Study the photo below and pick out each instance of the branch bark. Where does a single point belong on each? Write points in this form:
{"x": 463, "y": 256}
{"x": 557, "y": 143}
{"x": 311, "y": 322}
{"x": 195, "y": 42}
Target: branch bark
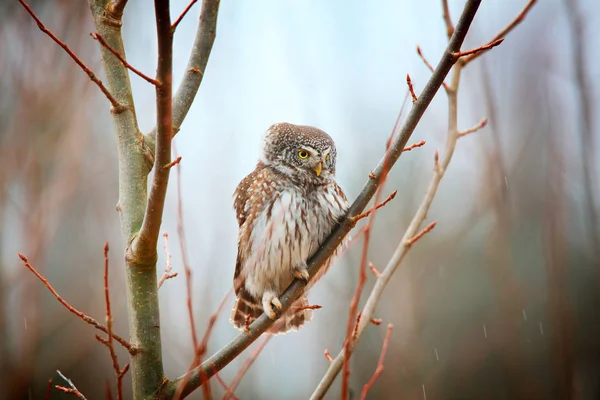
{"x": 222, "y": 357}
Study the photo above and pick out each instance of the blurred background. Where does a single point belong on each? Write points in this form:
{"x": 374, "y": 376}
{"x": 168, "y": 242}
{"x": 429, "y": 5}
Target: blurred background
{"x": 500, "y": 301}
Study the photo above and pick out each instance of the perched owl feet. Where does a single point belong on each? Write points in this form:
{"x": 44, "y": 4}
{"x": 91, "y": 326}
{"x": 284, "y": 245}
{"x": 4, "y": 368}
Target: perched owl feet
{"x": 301, "y": 271}
{"x": 271, "y": 304}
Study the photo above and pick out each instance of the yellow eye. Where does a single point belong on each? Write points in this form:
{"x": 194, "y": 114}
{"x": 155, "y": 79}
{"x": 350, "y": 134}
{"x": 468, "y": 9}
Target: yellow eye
{"x": 303, "y": 154}
{"x": 327, "y": 157}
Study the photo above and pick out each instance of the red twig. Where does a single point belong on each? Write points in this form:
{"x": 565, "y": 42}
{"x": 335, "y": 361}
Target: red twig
{"x": 363, "y": 263}
{"x": 200, "y": 351}
{"x": 419, "y": 235}
{"x": 311, "y": 307}
{"x": 48, "y": 389}
{"x": 328, "y": 355}
{"x": 477, "y": 50}
{"x": 414, "y": 146}
{"x": 72, "y": 389}
{"x": 376, "y": 207}
{"x": 118, "y": 107}
{"x": 185, "y": 11}
{"x": 447, "y": 19}
{"x": 72, "y": 309}
{"x": 224, "y": 385}
{"x": 411, "y": 89}
{"x": 374, "y": 270}
{"x": 167, "y": 273}
{"x": 173, "y": 163}
{"x": 247, "y": 364}
{"x": 109, "y": 321}
{"x": 379, "y": 368}
{"x": 516, "y": 21}
{"x": 477, "y": 127}
{"x": 376, "y": 321}
{"x": 446, "y": 87}
{"x": 139, "y": 73}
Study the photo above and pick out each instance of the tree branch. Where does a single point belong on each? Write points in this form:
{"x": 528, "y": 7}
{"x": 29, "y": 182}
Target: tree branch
{"x": 220, "y": 359}
{"x": 205, "y": 37}
{"x": 116, "y": 106}
{"x": 123, "y": 61}
{"x": 185, "y": 11}
{"x": 412, "y": 233}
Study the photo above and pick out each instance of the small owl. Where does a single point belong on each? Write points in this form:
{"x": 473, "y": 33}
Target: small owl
{"x": 285, "y": 209}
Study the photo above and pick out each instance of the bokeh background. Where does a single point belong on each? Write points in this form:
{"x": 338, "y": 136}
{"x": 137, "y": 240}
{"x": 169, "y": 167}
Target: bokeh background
{"x": 500, "y": 301}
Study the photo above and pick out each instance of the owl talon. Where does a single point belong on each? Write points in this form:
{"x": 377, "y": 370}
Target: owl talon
{"x": 271, "y": 304}
{"x": 301, "y": 272}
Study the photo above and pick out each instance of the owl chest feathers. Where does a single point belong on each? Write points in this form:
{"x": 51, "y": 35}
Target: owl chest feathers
{"x": 284, "y": 231}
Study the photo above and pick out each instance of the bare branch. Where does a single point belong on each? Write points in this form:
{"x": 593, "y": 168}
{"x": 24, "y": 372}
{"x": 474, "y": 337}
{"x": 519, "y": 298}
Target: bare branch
{"x": 376, "y": 207}
{"x": 479, "y": 49}
{"x": 328, "y": 355}
{"x": 379, "y": 368}
{"x": 518, "y": 19}
{"x": 109, "y": 342}
{"x": 429, "y": 65}
{"x": 185, "y": 11}
{"x": 238, "y": 378}
{"x": 167, "y": 273}
{"x": 422, "y": 233}
{"x": 447, "y": 19}
{"x": 72, "y": 309}
{"x": 72, "y": 389}
{"x": 116, "y": 106}
{"x": 474, "y": 129}
{"x": 412, "y": 233}
{"x": 411, "y": 89}
{"x": 101, "y": 40}
{"x": 414, "y": 146}
{"x": 173, "y": 163}
{"x": 244, "y": 339}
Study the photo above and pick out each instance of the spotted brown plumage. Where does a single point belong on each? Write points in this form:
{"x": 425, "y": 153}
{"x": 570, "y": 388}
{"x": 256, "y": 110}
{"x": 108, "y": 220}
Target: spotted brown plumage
{"x": 285, "y": 209}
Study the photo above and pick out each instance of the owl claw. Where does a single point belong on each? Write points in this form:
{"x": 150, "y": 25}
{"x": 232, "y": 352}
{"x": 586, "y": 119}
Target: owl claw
{"x": 270, "y": 304}
{"x": 301, "y": 272}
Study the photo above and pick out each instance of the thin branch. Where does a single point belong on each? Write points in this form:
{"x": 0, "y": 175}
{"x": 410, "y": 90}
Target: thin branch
{"x": 379, "y": 368}
{"x": 238, "y": 378}
{"x": 173, "y": 163}
{"x": 474, "y": 129}
{"x": 327, "y": 355}
{"x": 226, "y": 387}
{"x": 72, "y": 389}
{"x": 376, "y": 321}
{"x": 518, "y": 19}
{"x": 100, "y": 39}
{"x": 194, "y": 72}
{"x": 420, "y": 53}
{"x": 72, "y": 309}
{"x": 447, "y": 19}
{"x": 412, "y": 233}
{"x": 222, "y": 357}
{"x": 200, "y": 351}
{"x": 414, "y": 146}
{"x": 117, "y": 107}
{"x": 109, "y": 320}
{"x": 145, "y": 242}
{"x": 411, "y": 89}
{"x": 422, "y": 233}
{"x": 376, "y": 207}
{"x": 167, "y": 272}
{"x": 374, "y": 270}
{"x": 185, "y": 11}
{"x": 479, "y": 49}
{"x": 49, "y": 389}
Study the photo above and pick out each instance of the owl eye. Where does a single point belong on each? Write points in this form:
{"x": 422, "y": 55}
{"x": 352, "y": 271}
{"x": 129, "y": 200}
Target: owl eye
{"x": 303, "y": 154}
{"x": 327, "y": 157}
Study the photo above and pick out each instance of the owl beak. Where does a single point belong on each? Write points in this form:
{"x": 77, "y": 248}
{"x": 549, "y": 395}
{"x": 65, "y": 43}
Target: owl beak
{"x": 318, "y": 168}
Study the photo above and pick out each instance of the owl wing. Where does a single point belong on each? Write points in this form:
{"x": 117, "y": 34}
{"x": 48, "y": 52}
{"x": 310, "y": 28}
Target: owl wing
{"x": 249, "y": 201}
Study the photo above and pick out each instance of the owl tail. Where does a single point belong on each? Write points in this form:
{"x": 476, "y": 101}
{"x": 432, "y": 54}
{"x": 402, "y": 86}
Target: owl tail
{"x": 246, "y": 309}
{"x": 296, "y": 316}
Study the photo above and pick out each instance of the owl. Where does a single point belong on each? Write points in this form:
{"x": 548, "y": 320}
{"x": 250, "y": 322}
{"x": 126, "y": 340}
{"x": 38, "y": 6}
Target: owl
{"x": 285, "y": 209}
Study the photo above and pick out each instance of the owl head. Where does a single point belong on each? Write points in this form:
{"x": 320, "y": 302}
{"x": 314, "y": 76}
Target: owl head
{"x": 299, "y": 150}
